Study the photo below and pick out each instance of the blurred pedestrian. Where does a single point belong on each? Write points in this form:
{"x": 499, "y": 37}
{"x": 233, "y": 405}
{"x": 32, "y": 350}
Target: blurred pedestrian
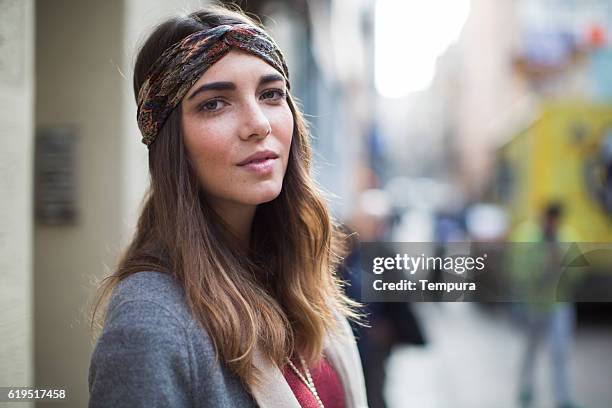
{"x": 391, "y": 323}
{"x": 545, "y": 320}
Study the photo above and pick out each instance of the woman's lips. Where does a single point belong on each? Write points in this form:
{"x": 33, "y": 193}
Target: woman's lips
{"x": 260, "y": 166}
{"x": 264, "y": 154}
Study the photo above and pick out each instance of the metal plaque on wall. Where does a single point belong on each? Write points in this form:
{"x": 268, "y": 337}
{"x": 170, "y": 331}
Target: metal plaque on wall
{"x": 56, "y": 176}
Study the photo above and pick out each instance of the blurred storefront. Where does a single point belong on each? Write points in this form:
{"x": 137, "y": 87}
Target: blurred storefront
{"x": 530, "y": 73}
{"x": 557, "y": 148}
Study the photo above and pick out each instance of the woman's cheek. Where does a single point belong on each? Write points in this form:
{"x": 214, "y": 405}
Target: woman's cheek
{"x": 214, "y": 143}
{"x": 285, "y": 125}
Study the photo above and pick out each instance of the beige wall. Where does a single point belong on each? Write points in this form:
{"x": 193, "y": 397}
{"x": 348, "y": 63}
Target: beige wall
{"x": 16, "y": 134}
{"x": 78, "y": 49}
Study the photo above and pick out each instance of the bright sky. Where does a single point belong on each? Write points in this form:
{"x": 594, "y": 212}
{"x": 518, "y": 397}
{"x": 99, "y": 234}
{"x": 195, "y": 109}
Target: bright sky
{"x": 409, "y": 36}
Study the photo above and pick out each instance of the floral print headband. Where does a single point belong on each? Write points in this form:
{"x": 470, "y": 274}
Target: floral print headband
{"x": 181, "y": 65}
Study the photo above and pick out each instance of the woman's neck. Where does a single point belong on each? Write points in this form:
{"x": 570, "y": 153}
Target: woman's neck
{"x": 238, "y": 218}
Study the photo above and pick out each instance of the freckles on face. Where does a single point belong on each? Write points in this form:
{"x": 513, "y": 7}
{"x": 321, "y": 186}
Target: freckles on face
{"x": 237, "y": 130}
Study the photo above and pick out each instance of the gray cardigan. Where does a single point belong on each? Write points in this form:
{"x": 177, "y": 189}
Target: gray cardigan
{"x": 152, "y": 353}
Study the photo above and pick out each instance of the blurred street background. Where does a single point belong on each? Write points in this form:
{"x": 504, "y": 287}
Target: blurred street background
{"x": 432, "y": 121}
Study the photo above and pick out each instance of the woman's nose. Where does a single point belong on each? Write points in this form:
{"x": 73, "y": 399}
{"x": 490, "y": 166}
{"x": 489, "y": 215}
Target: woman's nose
{"x": 256, "y": 123}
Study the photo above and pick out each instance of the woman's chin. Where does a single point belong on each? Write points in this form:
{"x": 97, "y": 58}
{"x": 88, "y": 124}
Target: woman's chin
{"x": 264, "y": 195}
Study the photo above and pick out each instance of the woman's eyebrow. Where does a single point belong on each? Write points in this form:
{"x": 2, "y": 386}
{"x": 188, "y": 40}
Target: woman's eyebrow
{"x": 270, "y": 78}
{"x": 230, "y": 86}
{"x": 213, "y": 86}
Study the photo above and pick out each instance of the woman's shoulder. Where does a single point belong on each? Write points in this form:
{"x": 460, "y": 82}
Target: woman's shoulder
{"x": 150, "y": 352}
{"x": 153, "y": 305}
{"x": 150, "y": 302}
{"x": 149, "y": 292}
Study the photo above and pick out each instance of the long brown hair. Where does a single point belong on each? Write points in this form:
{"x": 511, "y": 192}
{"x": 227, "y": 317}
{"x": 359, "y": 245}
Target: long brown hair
{"x": 282, "y": 294}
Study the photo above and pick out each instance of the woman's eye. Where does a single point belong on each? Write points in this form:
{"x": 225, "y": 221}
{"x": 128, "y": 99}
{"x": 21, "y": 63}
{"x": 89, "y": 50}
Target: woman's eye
{"x": 274, "y": 94}
{"x": 211, "y": 106}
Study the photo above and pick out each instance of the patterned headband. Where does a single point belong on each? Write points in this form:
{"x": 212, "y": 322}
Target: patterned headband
{"x": 181, "y": 65}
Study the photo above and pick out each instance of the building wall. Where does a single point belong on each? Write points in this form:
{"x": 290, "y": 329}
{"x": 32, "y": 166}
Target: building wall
{"x": 489, "y": 91}
{"x": 16, "y": 134}
{"x": 78, "y": 84}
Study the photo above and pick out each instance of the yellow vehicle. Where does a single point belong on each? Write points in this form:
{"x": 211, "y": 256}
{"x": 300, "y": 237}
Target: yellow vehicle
{"x": 564, "y": 156}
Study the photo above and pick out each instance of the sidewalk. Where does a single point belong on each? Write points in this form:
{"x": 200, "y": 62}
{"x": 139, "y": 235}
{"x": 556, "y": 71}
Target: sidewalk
{"x": 473, "y": 361}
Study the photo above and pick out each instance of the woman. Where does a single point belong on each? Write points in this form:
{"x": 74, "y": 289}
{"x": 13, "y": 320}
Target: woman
{"x": 227, "y": 295}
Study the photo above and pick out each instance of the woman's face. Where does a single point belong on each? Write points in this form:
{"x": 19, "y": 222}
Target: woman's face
{"x": 237, "y": 130}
